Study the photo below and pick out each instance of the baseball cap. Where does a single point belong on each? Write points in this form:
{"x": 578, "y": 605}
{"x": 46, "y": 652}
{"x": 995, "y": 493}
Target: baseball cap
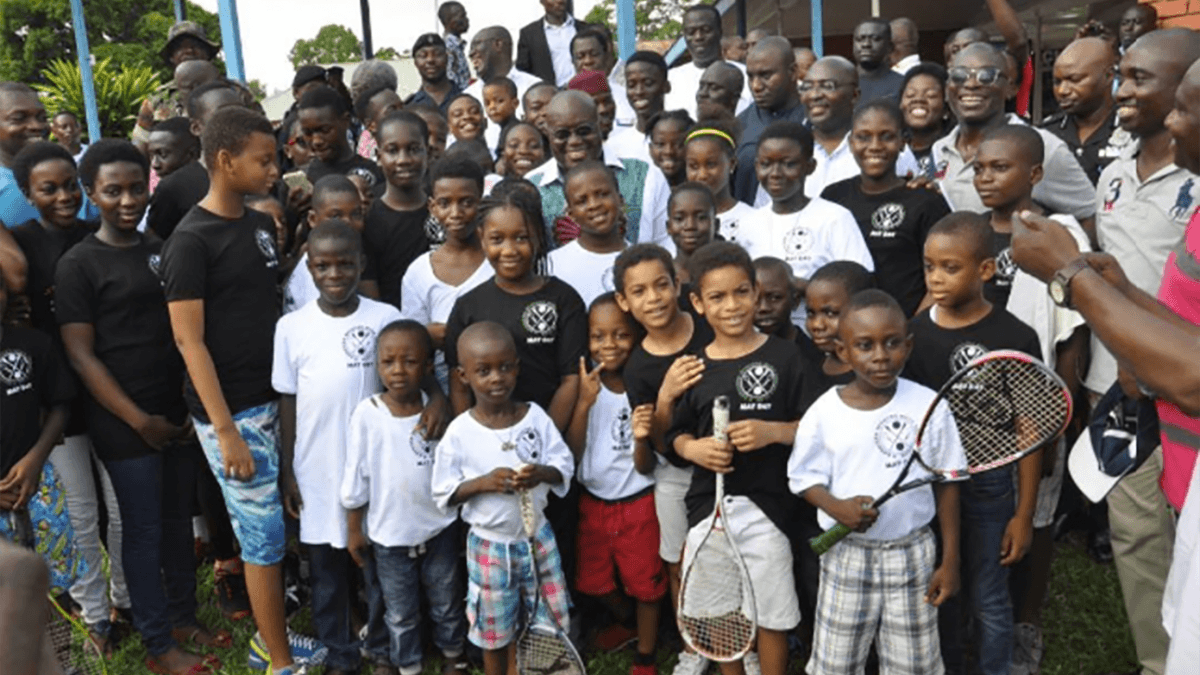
{"x": 1122, "y": 434}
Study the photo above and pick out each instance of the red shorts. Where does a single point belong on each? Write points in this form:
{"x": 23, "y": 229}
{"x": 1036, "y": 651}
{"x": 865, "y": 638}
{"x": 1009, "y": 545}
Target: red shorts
{"x": 619, "y": 537}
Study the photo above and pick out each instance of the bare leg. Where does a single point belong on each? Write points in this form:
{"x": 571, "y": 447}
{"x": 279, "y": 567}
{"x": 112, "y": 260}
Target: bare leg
{"x": 496, "y": 662}
{"x": 265, "y": 586}
{"x": 772, "y": 651}
{"x": 647, "y": 626}
{"x": 1041, "y": 554}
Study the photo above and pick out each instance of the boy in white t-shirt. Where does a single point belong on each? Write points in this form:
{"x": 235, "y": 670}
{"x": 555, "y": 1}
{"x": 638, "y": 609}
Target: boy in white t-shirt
{"x": 333, "y": 197}
{"x": 618, "y": 523}
{"x": 324, "y": 364}
{"x": 410, "y": 541}
{"x": 594, "y": 202}
{"x": 879, "y": 584}
{"x": 489, "y": 455}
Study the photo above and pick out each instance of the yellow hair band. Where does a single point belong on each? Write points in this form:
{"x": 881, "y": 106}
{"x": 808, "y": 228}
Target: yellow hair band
{"x": 711, "y": 132}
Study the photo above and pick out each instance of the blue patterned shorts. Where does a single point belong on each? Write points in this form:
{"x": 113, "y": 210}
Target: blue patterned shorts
{"x": 51, "y": 530}
{"x": 254, "y": 505}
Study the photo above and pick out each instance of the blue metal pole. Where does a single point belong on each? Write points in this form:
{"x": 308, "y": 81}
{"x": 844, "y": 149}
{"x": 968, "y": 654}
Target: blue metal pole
{"x": 818, "y": 29}
{"x": 231, "y": 40}
{"x": 626, "y": 29}
{"x": 85, "y": 71}
{"x": 180, "y": 11}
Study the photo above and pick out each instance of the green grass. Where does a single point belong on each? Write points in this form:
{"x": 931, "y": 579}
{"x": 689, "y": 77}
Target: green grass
{"x": 1086, "y": 631}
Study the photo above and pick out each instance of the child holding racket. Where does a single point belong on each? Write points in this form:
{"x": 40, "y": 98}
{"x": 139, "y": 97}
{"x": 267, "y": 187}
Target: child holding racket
{"x": 760, "y": 376}
{"x": 879, "y": 585}
{"x": 489, "y": 454}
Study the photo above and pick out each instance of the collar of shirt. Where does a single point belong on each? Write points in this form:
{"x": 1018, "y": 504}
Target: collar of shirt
{"x": 1127, "y": 163}
{"x": 948, "y": 144}
{"x": 842, "y": 148}
{"x": 550, "y": 173}
{"x": 568, "y": 23}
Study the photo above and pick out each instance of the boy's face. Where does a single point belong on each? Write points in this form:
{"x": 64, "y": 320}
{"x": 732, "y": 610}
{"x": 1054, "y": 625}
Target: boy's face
{"x": 54, "y": 191}
{"x": 823, "y": 303}
{"x": 297, "y": 147}
{"x": 953, "y": 273}
{"x": 875, "y": 342}
{"x": 22, "y": 121}
{"x": 273, "y": 208}
{"x": 876, "y": 141}
{"x": 401, "y": 154}
{"x": 402, "y": 363}
{"x": 499, "y": 103}
{"x": 691, "y": 220}
{"x": 253, "y": 171}
{"x": 465, "y": 119}
{"x": 536, "y": 100}
{"x": 65, "y": 128}
{"x": 490, "y": 368}
{"x": 345, "y": 206}
{"x": 650, "y": 294}
{"x": 610, "y": 336}
{"x": 325, "y": 132}
{"x": 728, "y": 299}
{"x": 336, "y": 266}
{"x": 776, "y": 301}
{"x": 437, "y": 133}
{"x": 646, "y": 88}
{"x": 593, "y": 202}
{"x": 782, "y": 165}
{"x": 456, "y": 20}
{"x": 381, "y": 105}
{"x": 454, "y": 202}
{"x": 121, "y": 193}
{"x": 1003, "y": 176}
{"x": 666, "y": 148}
{"x": 168, "y": 152}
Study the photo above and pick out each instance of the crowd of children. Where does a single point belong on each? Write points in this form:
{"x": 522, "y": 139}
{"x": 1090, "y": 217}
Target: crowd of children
{"x": 376, "y": 346}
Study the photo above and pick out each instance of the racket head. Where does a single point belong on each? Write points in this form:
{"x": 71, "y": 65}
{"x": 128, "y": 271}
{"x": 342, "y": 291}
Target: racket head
{"x": 1006, "y": 405}
{"x": 717, "y": 615}
{"x": 70, "y": 643}
{"x": 546, "y": 650}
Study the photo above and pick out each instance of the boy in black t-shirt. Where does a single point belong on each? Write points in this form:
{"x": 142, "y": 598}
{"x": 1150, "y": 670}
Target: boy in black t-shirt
{"x": 761, "y": 376}
{"x": 779, "y": 294}
{"x": 324, "y": 116}
{"x": 220, "y": 270}
{"x": 961, "y": 325}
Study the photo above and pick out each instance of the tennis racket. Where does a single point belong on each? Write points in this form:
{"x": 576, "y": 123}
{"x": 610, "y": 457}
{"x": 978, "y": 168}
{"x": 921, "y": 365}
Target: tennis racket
{"x": 72, "y": 646}
{"x": 716, "y": 600}
{"x": 543, "y": 648}
{"x": 1006, "y": 405}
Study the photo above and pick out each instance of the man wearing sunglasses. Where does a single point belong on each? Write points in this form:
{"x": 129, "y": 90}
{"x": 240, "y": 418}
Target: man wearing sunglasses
{"x": 978, "y": 86}
{"x": 574, "y": 129}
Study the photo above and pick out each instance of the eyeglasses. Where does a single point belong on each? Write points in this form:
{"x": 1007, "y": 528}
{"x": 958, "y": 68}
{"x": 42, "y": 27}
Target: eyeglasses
{"x": 582, "y": 131}
{"x": 827, "y": 86}
{"x": 988, "y": 75}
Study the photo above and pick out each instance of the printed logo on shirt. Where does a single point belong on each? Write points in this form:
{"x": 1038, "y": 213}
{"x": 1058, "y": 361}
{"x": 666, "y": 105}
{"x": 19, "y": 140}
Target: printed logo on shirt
{"x": 1006, "y": 269}
{"x": 886, "y": 219}
{"x": 797, "y": 243}
{"x": 894, "y": 436}
{"x": 540, "y": 320}
{"x": 1183, "y": 200}
{"x": 622, "y": 429}
{"x": 529, "y": 446}
{"x": 154, "y": 262}
{"x": 16, "y": 371}
{"x": 359, "y": 345}
{"x": 1113, "y": 193}
{"x": 964, "y": 354}
{"x": 421, "y": 447}
{"x": 606, "y": 280}
{"x": 757, "y": 381}
{"x": 942, "y": 166}
{"x": 266, "y": 245}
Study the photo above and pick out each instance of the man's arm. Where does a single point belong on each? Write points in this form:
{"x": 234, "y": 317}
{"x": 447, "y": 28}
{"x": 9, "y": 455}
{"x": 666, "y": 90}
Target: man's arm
{"x": 1012, "y": 29}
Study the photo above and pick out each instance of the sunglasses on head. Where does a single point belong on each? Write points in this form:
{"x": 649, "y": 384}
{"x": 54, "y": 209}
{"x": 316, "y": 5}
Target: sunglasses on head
{"x": 959, "y": 75}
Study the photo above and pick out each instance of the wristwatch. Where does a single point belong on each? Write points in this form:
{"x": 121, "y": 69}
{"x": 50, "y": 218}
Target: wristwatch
{"x": 1060, "y": 285}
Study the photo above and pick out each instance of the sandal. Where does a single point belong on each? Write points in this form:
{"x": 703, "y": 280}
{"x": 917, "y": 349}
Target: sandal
{"x": 232, "y": 597}
{"x": 187, "y": 637}
{"x": 205, "y": 667}
{"x": 99, "y": 640}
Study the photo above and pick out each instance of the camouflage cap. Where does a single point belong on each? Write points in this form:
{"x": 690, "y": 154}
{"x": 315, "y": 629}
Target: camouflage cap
{"x": 184, "y": 29}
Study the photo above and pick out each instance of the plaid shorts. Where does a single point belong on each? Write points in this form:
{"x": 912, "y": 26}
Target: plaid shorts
{"x": 501, "y": 584}
{"x": 875, "y": 591}
{"x": 255, "y": 509}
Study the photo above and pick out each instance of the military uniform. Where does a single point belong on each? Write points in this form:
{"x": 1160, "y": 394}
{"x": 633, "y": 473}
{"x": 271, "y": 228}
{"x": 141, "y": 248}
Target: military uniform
{"x": 1099, "y": 150}
{"x": 163, "y": 104}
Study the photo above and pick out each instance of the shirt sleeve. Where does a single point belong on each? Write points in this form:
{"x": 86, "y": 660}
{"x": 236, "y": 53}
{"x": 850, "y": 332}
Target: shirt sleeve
{"x": 849, "y": 244}
{"x": 653, "y": 226}
{"x": 447, "y": 469}
{"x": 356, "y": 481}
{"x": 283, "y": 367}
{"x": 74, "y": 295}
{"x": 414, "y": 296}
{"x": 558, "y": 455}
{"x": 811, "y": 463}
{"x": 907, "y": 164}
{"x": 941, "y": 446}
{"x": 572, "y": 340}
{"x": 1066, "y": 186}
{"x": 455, "y": 325}
{"x": 184, "y": 267}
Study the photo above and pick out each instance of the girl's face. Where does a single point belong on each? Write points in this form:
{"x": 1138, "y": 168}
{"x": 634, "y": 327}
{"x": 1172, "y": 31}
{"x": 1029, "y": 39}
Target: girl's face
{"x": 523, "y": 150}
{"x": 876, "y": 141}
{"x": 666, "y": 149}
{"x": 508, "y": 243}
{"x": 297, "y": 147}
{"x": 54, "y": 190}
{"x": 465, "y": 116}
{"x": 121, "y": 194}
{"x": 923, "y": 102}
{"x": 402, "y": 154}
{"x": 690, "y": 217}
{"x": 708, "y": 160}
{"x": 610, "y": 336}
{"x": 594, "y": 202}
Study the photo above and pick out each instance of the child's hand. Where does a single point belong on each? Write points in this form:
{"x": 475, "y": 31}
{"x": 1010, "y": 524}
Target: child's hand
{"x": 943, "y": 585}
{"x": 435, "y": 418}
{"x": 643, "y": 421}
{"x": 157, "y": 431}
{"x": 22, "y": 480}
{"x": 1018, "y": 537}
{"x": 589, "y": 383}
{"x": 358, "y": 546}
{"x": 710, "y": 453}
{"x": 237, "y": 462}
{"x": 855, "y": 513}
{"x": 501, "y": 479}
{"x": 531, "y": 475}
{"x": 748, "y": 435}
{"x": 683, "y": 374}
{"x": 8, "y": 500}
{"x": 289, "y": 490}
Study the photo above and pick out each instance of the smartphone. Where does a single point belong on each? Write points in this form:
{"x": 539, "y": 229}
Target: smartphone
{"x": 299, "y": 179}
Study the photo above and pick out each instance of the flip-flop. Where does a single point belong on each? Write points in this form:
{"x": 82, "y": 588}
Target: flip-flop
{"x": 205, "y": 667}
{"x": 186, "y": 636}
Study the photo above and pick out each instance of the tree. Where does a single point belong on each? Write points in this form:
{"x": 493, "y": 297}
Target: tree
{"x": 257, "y": 88}
{"x": 130, "y": 32}
{"x": 387, "y": 54}
{"x": 655, "y": 19}
{"x": 333, "y": 44}
{"x": 119, "y": 91}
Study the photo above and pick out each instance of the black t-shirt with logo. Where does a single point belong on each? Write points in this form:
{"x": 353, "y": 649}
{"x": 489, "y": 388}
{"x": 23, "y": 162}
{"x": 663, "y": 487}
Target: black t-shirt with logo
{"x": 894, "y": 225}
{"x": 43, "y": 247}
{"x": 762, "y": 385}
{"x": 392, "y": 240}
{"x": 999, "y": 287}
{"x": 318, "y": 169}
{"x": 33, "y": 378}
{"x": 645, "y": 372}
{"x": 940, "y": 352}
{"x": 118, "y": 290}
{"x": 232, "y": 265}
{"x": 548, "y": 325}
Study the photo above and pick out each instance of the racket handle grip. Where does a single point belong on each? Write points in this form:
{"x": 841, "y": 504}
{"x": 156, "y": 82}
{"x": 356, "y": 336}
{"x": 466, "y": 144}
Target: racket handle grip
{"x": 825, "y": 541}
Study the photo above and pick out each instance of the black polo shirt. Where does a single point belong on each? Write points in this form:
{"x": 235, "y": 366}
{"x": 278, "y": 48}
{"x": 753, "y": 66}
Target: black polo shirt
{"x": 1103, "y": 146}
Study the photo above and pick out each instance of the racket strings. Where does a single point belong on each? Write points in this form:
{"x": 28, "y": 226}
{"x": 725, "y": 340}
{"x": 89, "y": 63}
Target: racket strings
{"x": 715, "y": 607}
{"x": 545, "y": 652}
{"x": 71, "y": 647}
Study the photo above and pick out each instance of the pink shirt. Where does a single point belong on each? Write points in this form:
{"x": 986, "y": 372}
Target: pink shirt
{"x": 1180, "y": 292}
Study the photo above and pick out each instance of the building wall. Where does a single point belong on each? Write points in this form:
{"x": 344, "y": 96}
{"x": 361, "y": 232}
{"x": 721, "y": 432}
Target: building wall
{"x": 1177, "y": 13}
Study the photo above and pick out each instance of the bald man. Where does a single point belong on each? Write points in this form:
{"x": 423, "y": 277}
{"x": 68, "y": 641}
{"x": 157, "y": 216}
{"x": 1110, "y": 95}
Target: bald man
{"x": 771, "y": 66}
{"x": 805, "y": 58}
{"x": 720, "y": 90}
{"x": 956, "y": 42}
{"x": 491, "y": 56}
{"x": 1087, "y": 121}
{"x": 1136, "y": 22}
{"x": 872, "y": 49}
{"x": 905, "y": 42}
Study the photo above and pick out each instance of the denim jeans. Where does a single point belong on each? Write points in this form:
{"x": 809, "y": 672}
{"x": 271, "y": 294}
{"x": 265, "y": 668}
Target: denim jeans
{"x": 155, "y": 494}
{"x": 330, "y": 569}
{"x": 987, "y": 506}
{"x": 403, "y": 573}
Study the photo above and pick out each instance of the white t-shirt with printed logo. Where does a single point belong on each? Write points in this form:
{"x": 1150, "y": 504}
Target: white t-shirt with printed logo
{"x": 855, "y": 452}
{"x": 590, "y": 274}
{"x": 819, "y": 233}
{"x": 328, "y": 364}
{"x": 607, "y": 469}
{"x": 730, "y": 221}
{"x": 426, "y": 299}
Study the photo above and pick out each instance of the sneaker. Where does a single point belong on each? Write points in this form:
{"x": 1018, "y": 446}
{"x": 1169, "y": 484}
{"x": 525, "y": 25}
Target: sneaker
{"x": 614, "y": 637}
{"x": 690, "y": 663}
{"x": 751, "y": 665}
{"x": 232, "y": 597}
{"x": 306, "y": 651}
{"x": 1028, "y": 648}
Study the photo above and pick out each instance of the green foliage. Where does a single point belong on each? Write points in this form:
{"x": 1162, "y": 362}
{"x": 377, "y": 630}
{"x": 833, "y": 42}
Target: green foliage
{"x": 130, "y": 32}
{"x": 119, "y": 92}
{"x": 656, "y": 19}
{"x": 333, "y": 44}
{"x": 387, "y": 54}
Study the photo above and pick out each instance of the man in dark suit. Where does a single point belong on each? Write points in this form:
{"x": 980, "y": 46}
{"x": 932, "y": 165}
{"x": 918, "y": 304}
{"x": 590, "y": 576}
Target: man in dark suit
{"x": 544, "y": 46}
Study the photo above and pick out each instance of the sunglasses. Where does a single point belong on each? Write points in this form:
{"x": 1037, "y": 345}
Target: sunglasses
{"x": 959, "y": 75}
{"x": 582, "y": 131}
